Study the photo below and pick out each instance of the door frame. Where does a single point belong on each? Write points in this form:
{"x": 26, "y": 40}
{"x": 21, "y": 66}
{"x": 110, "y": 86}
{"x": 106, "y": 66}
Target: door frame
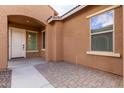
{"x": 10, "y": 41}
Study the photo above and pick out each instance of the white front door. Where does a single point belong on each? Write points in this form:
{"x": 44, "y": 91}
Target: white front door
{"x": 18, "y": 43}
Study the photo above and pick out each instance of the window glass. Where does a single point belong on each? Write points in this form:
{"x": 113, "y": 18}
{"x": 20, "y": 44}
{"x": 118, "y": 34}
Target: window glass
{"x": 102, "y": 23}
{"x": 32, "y": 41}
{"x": 43, "y": 40}
{"x": 102, "y": 42}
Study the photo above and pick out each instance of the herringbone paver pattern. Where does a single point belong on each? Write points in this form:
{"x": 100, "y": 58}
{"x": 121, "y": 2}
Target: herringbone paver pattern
{"x": 66, "y": 75}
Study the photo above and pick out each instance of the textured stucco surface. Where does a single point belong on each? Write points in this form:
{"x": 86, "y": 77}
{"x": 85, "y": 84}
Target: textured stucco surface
{"x": 75, "y": 40}
{"x": 66, "y": 40}
{"x": 76, "y": 34}
{"x": 38, "y": 12}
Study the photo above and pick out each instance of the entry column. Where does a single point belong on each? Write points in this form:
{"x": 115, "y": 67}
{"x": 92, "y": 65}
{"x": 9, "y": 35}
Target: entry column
{"x": 54, "y": 47}
{"x": 58, "y": 41}
{"x": 3, "y": 42}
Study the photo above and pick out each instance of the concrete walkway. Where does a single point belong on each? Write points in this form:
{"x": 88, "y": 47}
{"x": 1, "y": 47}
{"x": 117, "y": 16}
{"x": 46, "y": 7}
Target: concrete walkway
{"x": 24, "y": 74}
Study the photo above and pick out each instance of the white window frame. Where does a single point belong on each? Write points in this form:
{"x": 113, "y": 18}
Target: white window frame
{"x": 42, "y": 39}
{"x": 113, "y": 32}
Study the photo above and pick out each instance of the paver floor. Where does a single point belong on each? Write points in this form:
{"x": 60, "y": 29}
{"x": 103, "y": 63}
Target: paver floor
{"x": 5, "y": 78}
{"x": 36, "y": 73}
{"x": 66, "y": 75}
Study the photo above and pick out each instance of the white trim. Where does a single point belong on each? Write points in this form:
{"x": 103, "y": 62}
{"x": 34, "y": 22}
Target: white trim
{"x": 90, "y": 34}
{"x": 32, "y": 31}
{"x": 10, "y": 42}
{"x": 113, "y": 50}
{"x": 96, "y": 33}
{"x": 32, "y": 51}
{"x": 43, "y": 31}
{"x": 101, "y": 53}
{"x": 66, "y": 15}
{"x": 103, "y": 10}
{"x": 43, "y": 49}
{"x": 114, "y": 31}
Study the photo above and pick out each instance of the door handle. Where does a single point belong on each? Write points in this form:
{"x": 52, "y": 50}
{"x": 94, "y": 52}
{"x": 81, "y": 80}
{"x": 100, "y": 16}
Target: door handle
{"x": 23, "y": 46}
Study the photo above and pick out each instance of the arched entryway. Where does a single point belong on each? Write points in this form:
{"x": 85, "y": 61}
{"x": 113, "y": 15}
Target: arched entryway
{"x": 26, "y": 37}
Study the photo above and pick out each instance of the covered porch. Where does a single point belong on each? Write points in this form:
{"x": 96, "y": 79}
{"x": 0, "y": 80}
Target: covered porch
{"x": 26, "y": 37}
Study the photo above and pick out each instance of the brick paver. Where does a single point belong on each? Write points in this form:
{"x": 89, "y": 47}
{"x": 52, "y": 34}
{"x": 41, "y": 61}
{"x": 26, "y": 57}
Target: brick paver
{"x": 5, "y": 78}
{"x": 66, "y": 75}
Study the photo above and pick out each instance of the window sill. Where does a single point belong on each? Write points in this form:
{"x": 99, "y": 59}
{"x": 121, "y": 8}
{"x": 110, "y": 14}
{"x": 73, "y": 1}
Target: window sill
{"x": 32, "y": 51}
{"x": 101, "y": 53}
{"x": 43, "y": 49}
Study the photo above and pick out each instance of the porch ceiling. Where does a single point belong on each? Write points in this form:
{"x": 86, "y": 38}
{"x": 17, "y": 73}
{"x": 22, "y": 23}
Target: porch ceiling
{"x": 24, "y": 20}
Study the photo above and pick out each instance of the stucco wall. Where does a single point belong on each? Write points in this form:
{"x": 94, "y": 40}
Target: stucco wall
{"x": 76, "y": 41}
{"x": 123, "y": 43}
{"x": 54, "y": 41}
{"x": 66, "y": 40}
{"x": 3, "y": 42}
{"x": 38, "y": 12}
{"x": 43, "y": 54}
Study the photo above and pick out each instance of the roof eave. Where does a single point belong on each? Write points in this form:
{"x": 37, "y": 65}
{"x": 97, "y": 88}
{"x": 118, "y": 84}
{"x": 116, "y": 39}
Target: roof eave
{"x": 73, "y": 11}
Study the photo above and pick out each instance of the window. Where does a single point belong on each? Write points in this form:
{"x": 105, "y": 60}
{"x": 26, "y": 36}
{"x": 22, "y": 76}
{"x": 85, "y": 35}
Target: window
{"x": 43, "y": 40}
{"x": 32, "y": 41}
{"x": 102, "y": 32}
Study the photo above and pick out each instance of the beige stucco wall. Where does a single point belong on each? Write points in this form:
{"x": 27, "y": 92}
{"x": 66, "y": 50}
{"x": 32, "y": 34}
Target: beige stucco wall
{"x": 54, "y": 40}
{"x": 123, "y": 45}
{"x": 66, "y": 40}
{"x": 38, "y": 12}
{"x": 75, "y": 41}
{"x": 3, "y": 42}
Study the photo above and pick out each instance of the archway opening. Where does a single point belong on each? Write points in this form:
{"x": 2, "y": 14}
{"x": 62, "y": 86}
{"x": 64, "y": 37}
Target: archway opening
{"x": 26, "y": 37}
